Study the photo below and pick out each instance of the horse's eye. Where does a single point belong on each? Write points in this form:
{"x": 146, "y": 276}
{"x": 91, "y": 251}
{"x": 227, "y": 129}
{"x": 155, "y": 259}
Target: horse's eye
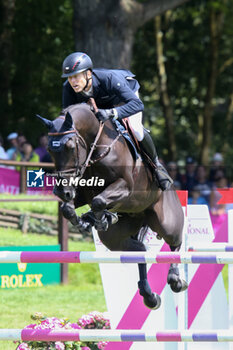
{"x": 70, "y": 144}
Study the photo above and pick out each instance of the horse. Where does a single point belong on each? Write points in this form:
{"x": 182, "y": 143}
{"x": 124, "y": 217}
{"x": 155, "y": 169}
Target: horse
{"x": 128, "y": 200}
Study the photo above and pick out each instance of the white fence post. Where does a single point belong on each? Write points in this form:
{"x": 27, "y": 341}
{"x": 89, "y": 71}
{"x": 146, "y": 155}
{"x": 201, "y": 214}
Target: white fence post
{"x": 230, "y": 274}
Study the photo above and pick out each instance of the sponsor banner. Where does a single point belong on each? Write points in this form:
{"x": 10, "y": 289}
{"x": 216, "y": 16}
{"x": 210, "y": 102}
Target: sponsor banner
{"x": 199, "y": 226}
{"x": 23, "y": 275}
{"x": 10, "y": 183}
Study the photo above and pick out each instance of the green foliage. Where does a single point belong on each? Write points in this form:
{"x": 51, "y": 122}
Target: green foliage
{"x": 42, "y": 37}
{"x": 186, "y": 40}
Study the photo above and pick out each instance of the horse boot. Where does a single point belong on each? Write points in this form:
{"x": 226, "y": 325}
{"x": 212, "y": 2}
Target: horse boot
{"x": 161, "y": 174}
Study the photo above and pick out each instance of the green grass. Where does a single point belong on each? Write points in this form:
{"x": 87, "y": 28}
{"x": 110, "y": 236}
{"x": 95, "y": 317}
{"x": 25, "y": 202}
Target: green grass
{"x": 48, "y": 208}
{"x": 83, "y": 294}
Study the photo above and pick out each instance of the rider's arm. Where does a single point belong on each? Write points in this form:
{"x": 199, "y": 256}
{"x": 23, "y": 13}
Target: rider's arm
{"x": 132, "y": 103}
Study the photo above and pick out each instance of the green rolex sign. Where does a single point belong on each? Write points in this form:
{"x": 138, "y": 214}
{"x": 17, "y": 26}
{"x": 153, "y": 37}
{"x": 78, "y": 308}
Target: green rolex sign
{"x": 23, "y": 275}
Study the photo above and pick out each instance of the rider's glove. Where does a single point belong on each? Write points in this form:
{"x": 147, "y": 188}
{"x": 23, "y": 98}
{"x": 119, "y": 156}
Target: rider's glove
{"x": 104, "y": 114}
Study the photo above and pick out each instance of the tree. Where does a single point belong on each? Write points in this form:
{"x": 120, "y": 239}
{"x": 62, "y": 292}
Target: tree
{"x": 33, "y": 45}
{"x": 196, "y": 81}
{"x": 216, "y": 22}
{"x": 7, "y": 11}
{"x": 106, "y": 29}
{"x": 165, "y": 99}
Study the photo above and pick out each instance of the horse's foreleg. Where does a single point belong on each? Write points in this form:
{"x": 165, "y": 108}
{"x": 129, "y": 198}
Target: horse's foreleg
{"x": 68, "y": 211}
{"x": 173, "y": 278}
{"x": 113, "y": 194}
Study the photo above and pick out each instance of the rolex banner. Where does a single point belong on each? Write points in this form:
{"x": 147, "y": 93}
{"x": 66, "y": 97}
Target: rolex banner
{"x": 23, "y": 275}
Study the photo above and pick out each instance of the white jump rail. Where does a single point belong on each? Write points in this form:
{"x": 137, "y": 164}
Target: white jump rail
{"x": 123, "y": 335}
{"x": 115, "y": 257}
{"x": 213, "y": 247}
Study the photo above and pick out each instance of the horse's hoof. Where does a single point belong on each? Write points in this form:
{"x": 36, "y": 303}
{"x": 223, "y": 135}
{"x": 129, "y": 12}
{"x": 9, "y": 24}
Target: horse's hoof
{"x": 152, "y": 301}
{"x": 184, "y": 285}
{"x": 84, "y": 228}
{"x": 101, "y": 225}
{"x": 179, "y": 286}
{"x": 111, "y": 217}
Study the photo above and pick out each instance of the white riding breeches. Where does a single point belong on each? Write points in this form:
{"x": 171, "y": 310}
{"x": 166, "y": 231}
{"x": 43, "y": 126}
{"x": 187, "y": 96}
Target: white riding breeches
{"x": 135, "y": 121}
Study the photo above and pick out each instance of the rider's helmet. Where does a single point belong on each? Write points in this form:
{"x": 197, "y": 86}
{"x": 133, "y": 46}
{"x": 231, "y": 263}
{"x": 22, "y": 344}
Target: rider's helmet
{"x": 76, "y": 62}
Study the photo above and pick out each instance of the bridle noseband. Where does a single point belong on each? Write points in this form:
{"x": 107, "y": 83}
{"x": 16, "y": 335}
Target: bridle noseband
{"x": 77, "y": 169}
{"x": 80, "y": 170}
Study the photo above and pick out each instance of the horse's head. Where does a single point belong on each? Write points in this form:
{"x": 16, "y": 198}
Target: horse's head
{"x": 68, "y": 151}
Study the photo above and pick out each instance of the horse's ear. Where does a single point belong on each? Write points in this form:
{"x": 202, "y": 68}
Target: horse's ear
{"x": 68, "y": 123}
{"x": 46, "y": 122}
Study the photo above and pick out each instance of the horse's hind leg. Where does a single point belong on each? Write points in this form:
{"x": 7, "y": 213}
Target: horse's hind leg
{"x": 167, "y": 219}
{"x": 173, "y": 278}
{"x": 123, "y": 237}
{"x": 150, "y": 299}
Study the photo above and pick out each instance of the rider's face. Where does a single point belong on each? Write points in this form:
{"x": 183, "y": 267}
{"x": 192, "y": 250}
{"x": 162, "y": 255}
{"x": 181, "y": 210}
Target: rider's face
{"x": 78, "y": 81}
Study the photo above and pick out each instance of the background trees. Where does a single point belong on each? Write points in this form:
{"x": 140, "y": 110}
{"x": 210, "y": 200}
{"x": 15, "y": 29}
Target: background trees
{"x": 180, "y": 51}
{"x": 191, "y": 79}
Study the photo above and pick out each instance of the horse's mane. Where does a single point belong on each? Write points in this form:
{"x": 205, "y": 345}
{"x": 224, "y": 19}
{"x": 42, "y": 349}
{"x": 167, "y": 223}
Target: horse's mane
{"x": 73, "y": 107}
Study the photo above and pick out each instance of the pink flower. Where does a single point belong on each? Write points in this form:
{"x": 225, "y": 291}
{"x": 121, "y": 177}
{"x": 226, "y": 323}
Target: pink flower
{"x": 102, "y": 344}
{"x": 59, "y": 345}
{"x": 85, "y": 348}
{"x": 23, "y": 346}
{"x": 75, "y": 326}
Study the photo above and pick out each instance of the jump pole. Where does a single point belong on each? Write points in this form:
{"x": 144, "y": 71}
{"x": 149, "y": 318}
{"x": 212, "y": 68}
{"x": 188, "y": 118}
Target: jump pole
{"x": 123, "y": 335}
{"x": 211, "y": 247}
{"x": 115, "y": 257}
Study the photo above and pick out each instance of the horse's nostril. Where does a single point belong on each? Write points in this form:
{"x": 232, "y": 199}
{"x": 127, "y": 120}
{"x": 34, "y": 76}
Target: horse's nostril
{"x": 68, "y": 196}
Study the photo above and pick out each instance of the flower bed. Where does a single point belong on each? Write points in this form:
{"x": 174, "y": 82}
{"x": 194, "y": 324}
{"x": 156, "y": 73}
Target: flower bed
{"x": 94, "y": 320}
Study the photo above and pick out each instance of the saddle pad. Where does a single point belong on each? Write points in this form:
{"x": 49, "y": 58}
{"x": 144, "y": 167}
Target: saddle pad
{"x": 125, "y": 134}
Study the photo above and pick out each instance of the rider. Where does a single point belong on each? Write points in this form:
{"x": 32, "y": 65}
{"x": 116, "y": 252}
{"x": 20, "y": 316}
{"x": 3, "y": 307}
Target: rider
{"x": 116, "y": 95}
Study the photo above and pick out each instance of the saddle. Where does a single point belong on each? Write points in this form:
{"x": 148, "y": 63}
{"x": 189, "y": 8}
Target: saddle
{"x": 125, "y": 130}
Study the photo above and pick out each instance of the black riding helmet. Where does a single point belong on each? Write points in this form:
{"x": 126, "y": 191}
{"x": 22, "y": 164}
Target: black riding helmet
{"x": 76, "y": 62}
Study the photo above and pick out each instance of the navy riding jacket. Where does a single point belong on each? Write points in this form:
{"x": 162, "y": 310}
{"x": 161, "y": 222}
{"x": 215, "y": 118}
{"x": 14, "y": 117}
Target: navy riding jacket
{"x": 111, "y": 87}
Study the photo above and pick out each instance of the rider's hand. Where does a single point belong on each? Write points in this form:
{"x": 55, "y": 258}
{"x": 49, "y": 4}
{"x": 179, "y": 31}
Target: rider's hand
{"x": 104, "y": 114}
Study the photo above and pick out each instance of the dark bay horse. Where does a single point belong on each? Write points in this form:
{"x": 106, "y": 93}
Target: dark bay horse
{"x": 129, "y": 190}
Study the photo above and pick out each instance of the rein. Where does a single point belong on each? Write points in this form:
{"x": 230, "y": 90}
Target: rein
{"x": 79, "y": 171}
{"x": 93, "y": 147}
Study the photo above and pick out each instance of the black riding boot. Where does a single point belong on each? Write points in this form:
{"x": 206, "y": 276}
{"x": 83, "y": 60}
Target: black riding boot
{"x": 161, "y": 174}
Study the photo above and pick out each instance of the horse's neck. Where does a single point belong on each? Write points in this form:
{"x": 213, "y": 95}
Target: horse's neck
{"x": 86, "y": 124}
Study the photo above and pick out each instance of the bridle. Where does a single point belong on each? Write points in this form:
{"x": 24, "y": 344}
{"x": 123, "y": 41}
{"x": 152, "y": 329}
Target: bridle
{"x": 75, "y": 171}
{"x": 79, "y": 170}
